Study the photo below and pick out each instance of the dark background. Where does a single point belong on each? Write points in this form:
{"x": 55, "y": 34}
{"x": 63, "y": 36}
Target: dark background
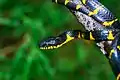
{"x": 23, "y": 23}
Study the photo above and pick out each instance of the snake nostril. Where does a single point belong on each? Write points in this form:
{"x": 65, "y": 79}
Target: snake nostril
{"x": 42, "y": 44}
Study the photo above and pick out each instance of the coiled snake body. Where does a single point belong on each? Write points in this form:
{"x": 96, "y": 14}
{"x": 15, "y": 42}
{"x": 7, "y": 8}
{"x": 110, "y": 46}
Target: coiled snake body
{"x": 101, "y": 26}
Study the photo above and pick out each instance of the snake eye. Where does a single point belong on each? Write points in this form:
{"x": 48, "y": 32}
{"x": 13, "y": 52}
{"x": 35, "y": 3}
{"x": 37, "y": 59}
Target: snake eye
{"x": 48, "y": 42}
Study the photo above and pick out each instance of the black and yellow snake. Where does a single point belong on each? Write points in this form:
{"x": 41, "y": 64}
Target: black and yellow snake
{"x": 101, "y": 26}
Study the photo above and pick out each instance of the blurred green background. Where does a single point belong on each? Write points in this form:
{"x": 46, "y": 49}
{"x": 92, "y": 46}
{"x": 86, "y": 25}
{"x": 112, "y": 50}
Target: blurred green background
{"x": 23, "y": 23}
